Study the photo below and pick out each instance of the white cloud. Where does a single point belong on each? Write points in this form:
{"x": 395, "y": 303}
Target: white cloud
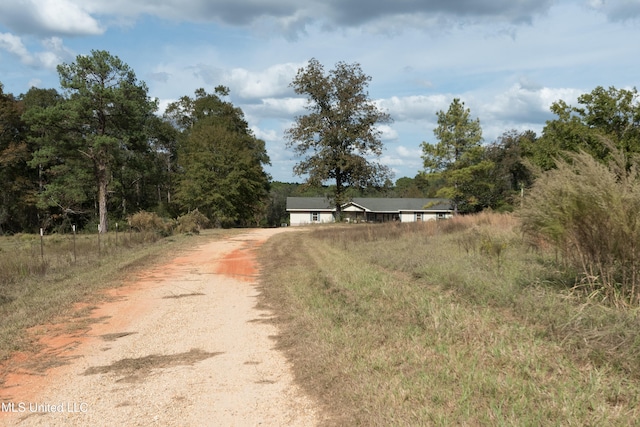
{"x": 66, "y": 17}
{"x": 54, "y": 54}
{"x": 391, "y": 161}
{"x": 408, "y": 152}
{"x": 522, "y": 104}
{"x": 387, "y": 133}
{"x": 273, "y": 81}
{"x": 281, "y": 108}
{"x": 13, "y": 44}
{"x": 247, "y": 84}
{"x": 551, "y": 95}
{"x": 48, "y": 17}
{"x": 416, "y": 107}
{"x": 408, "y": 160}
{"x": 48, "y": 59}
{"x": 266, "y": 135}
{"x": 34, "y": 83}
{"x": 56, "y": 44}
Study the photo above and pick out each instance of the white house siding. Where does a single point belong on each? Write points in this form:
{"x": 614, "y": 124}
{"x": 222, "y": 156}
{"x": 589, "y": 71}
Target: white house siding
{"x": 426, "y": 216}
{"x": 369, "y": 209}
{"x": 442, "y": 215}
{"x": 305, "y": 218}
{"x": 407, "y": 217}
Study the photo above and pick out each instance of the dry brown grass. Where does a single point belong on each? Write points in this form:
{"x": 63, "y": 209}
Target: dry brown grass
{"x": 401, "y": 324}
{"x": 589, "y": 212}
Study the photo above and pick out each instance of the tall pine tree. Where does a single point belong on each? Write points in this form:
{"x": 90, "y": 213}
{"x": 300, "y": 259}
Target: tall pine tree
{"x": 458, "y": 157}
{"x": 100, "y": 124}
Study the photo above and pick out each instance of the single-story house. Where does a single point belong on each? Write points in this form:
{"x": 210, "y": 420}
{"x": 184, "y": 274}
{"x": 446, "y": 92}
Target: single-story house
{"x": 316, "y": 210}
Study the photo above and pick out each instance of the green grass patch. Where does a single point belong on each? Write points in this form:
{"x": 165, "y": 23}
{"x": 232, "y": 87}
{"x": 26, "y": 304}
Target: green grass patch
{"x": 444, "y": 323}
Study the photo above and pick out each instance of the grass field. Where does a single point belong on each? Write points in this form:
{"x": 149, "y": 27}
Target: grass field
{"x": 36, "y": 289}
{"x": 456, "y": 322}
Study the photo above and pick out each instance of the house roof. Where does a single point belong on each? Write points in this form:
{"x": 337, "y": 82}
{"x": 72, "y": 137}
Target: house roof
{"x": 308, "y": 204}
{"x": 371, "y": 204}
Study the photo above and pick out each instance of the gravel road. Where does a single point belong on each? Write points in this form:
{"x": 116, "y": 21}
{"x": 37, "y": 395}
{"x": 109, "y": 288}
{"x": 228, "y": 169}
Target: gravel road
{"x": 181, "y": 345}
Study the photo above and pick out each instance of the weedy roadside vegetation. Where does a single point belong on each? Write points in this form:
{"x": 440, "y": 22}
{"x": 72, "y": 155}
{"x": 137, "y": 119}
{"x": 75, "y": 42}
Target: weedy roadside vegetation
{"x": 588, "y": 211}
{"x": 455, "y": 322}
{"x": 37, "y": 290}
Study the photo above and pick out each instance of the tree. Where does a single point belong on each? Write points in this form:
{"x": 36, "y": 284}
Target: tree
{"x": 340, "y": 133}
{"x": 457, "y": 134}
{"x": 458, "y": 157}
{"x": 509, "y": 175}
{"x": 102, "y": 117}
{"x": 615, "y": 114}
{"x": 604, "y": 116}
{"x": 220, "y": 160}
{"x": 277, "y": 207}
{"x": 163, "y": 141}
{"x": 16, "y": 178}
{"x": 412, "y": 187}
{"x": 65, "y": 179}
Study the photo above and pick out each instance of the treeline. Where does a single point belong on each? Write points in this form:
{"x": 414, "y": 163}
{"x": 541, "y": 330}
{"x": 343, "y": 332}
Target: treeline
{"x": 97, "y": 152}
{"x": 478, "y": 176}
{"x": 499, "y": 175}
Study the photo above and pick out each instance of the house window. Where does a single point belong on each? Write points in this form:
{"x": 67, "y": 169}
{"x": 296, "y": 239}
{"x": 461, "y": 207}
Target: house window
{"x": 315, "y": 216}
{"x": 418, "y": 216}
{"x": 441, "y": 215}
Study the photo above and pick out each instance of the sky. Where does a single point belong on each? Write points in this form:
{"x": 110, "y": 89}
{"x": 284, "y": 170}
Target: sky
{"x": 507, "y": 60}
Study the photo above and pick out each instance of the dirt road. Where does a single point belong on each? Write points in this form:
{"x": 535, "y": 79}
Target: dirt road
{"x": 182, "y": 345}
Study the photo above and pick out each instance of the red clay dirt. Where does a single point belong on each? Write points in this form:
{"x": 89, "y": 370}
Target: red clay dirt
{"x": 239, "y": 264}
{"x": 179, "y": 344}
{"x": 26, "y": 374}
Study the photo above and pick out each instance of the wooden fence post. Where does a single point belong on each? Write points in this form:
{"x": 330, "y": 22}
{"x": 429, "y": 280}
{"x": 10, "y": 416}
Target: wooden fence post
{"x": 74, "y": 243}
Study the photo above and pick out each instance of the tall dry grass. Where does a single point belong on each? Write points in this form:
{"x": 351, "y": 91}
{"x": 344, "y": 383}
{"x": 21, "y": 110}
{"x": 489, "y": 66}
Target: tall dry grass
{"x": 24, "y": 257}
{"x": 589, "y": 212}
